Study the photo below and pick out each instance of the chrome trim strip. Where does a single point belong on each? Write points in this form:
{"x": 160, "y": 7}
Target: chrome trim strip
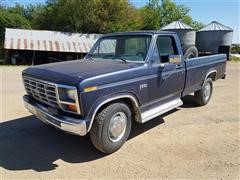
{"x": 202, "y": 65}
{"x": 133, "y": 80}
{"x": 109, "y": 100}
{"x": 203, "y": 57}
{"x": 148, "y": 115}
{"x": 127, "y": 81}
{"x": 210, "y": 72}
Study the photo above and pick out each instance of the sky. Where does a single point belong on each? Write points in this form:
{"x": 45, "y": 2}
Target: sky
{"x": 226, "y": 12}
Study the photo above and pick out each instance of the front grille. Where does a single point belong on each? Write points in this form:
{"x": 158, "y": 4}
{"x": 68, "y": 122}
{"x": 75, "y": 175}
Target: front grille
{"x": 41, "y": 90}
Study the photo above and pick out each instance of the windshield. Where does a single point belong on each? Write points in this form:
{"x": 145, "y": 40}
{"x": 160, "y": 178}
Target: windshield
{"x": 127, "y": 48}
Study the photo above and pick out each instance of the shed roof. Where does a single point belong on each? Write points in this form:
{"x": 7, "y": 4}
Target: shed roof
{"x": 215, "y": 26}
{"x": 176, "y": 25}
{"x": 41, "y": 40}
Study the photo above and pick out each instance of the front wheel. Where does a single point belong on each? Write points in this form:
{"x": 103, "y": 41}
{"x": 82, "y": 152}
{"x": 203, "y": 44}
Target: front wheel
{"x": 204, "y": 95}
{"x": 111, "y": 127}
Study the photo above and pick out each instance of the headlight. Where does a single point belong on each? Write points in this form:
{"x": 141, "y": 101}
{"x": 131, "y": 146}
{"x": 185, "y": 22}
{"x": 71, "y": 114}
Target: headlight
{"x": 71, "y": 94}
{"x": 68, "y": 98}
{"x": 67, "y": 94}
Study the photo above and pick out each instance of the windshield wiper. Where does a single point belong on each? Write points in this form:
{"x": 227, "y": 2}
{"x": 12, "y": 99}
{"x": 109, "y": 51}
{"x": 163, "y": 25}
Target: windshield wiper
{"x": 124, "y": 60}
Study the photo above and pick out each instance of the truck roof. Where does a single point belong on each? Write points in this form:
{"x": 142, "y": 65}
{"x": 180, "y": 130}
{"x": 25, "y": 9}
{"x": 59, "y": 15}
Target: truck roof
{"x": 145, "y": 32}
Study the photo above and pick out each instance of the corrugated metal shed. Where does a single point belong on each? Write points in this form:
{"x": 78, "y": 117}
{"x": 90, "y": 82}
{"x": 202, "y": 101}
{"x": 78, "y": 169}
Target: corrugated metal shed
{"x": 41, "y": 40}
{"x": 186, "y": 34}
{"x": 216, "y": 26}
{"x": 176, "y": 25}
{"x": 214, "y": 38}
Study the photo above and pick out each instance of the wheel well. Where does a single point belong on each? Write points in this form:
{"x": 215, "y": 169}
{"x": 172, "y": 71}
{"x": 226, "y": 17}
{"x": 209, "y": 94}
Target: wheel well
{"x": 212, "y": 75}
{"x": 136, "y": 115}
{"x": 130, "y": 103}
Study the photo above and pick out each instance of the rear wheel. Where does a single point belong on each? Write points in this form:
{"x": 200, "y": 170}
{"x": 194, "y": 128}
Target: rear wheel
{"x": 204, "y": 95}
{"x": 111, "y": 127}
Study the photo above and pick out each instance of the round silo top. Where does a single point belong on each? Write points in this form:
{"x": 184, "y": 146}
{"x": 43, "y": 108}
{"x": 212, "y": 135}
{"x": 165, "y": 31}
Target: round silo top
{"x": 177, "y": 25}
{"x": 216, "y": 26}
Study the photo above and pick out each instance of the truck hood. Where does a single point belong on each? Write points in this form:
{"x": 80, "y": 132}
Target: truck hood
{"x": 72, "y": 72}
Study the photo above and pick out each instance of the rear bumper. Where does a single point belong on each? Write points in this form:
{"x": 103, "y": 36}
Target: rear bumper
{"x": 65, "y": 123}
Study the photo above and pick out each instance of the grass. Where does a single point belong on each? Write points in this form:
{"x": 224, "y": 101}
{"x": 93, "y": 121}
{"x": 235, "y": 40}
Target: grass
{"x": 235, "y": 59}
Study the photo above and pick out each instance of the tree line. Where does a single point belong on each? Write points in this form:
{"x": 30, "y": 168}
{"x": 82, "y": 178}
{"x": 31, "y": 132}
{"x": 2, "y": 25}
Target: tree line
{"x": 93, "y": 16}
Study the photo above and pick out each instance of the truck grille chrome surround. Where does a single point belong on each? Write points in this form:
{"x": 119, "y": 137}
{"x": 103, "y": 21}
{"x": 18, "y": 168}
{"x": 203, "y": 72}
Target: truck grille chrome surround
{"x": 40, "y": 90}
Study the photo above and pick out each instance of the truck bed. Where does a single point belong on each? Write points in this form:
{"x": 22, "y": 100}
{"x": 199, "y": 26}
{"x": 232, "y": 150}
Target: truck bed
{"x": 197, "y": 69}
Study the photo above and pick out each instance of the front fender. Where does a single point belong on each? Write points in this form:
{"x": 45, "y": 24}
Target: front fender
{"x": 109, "y": 98}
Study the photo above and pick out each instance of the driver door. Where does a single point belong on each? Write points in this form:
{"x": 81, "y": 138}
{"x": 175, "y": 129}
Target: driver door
{"x": 167, "y": 77}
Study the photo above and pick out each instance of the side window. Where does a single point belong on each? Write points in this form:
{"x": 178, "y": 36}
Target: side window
{"x": 165, "y": 46}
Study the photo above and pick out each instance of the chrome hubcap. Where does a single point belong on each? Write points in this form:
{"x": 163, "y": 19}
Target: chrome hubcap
{"x": 207, "y": 91}
{"x": 117, "y": 126}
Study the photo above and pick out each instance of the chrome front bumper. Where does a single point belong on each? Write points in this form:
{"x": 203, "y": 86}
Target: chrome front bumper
{"x": 65, "y": 123}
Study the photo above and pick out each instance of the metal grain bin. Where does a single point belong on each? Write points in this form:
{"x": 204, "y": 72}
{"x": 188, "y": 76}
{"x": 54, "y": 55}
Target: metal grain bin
{"x": 214, "y": 38}
{"x": 186, "y": 34}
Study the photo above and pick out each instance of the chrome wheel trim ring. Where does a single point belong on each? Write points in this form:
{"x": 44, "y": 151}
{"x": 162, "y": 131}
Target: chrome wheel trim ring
{"x": 117, "y": 126}
{"x": 207, "y": 91}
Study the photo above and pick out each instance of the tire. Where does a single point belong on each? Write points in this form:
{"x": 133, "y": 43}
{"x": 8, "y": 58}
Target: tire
{"x": 204, "y": 95}
{"x": 101, "y": 135}
{"x": 191, "y": 52}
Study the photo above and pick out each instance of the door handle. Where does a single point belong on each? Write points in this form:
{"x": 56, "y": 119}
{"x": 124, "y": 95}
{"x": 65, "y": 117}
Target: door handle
{"x": 179, "y": 66}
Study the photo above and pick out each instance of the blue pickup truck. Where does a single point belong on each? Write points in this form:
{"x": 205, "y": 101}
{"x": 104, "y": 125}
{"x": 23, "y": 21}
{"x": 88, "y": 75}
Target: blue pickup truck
{"x": 126, "y": 77}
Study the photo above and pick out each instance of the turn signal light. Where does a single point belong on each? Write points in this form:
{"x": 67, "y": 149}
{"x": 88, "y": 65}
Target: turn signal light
{"x": 92, "y": 88}
{"x": 72, "y": 108}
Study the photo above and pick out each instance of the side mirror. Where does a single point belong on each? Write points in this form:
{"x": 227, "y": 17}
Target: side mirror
{"x": 175, "y": 59}
{"x": 168, "y": 67}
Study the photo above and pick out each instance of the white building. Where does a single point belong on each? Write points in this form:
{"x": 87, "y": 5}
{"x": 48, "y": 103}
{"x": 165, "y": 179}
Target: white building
{"x": 39, "y": 46}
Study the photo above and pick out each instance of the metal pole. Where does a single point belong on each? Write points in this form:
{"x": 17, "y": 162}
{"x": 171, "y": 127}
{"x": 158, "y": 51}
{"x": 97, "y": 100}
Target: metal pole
{"x": 33, "y": 58}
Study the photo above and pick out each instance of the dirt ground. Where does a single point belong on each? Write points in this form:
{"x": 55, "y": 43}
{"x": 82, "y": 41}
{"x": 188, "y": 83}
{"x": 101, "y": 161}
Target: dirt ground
{"x": 188, "y": 143}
